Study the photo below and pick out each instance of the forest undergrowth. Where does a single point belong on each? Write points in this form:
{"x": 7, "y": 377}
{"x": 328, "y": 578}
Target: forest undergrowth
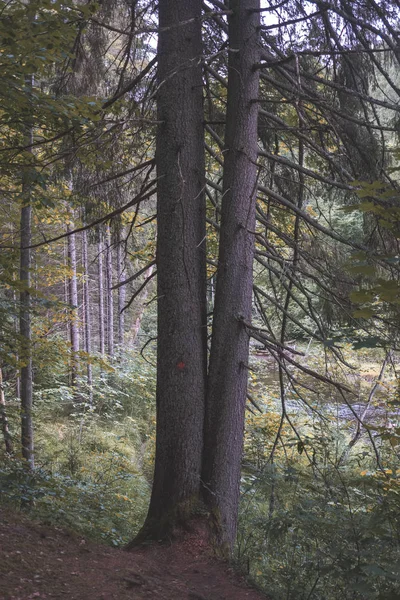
{"x": 319, "y": 514}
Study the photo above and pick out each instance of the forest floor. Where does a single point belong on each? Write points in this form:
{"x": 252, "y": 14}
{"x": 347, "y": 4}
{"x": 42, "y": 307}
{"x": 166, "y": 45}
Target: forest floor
{"x": 46, "y": 562}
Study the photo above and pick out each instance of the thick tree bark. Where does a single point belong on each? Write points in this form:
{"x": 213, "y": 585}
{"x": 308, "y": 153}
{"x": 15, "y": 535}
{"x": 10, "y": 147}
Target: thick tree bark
{"x": 121, "y": 292}
{"x": 102, "y": 345}
{"x": 73, "y": 302}
{"x": 181, "y": 272}
{"x": 88, "y": 324}
{"x": 110, "y": 297}
{"x": 227, "y": 382}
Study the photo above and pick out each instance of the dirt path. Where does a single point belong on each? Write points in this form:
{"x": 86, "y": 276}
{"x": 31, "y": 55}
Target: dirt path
{"x": 43, "y": 562}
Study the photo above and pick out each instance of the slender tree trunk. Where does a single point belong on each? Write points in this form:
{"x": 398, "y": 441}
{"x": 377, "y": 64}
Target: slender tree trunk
{"x": 110, "y": 296}
{"x": 73, "y": 301}
{"x": 88, "y": 325}
{"x": 66, "y": 290}
{"x": 26, "y": 382}
{"x": 121, "y": 292}
{"x": 4, "y": 420}
{"x": 25, "y": 329}
{"x": 227, "y": 382}
{"x": 16, "y": 327}
{"x": 181, "y": 272}
{"x": 15, "y": 318}
{"x": 101, "y": 293}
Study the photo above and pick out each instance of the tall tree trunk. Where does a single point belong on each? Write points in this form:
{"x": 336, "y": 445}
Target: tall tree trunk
{"x": 73, "y": 301}
{"x": 15, "y": 317}
{"x": 110, "y": 297}
{"x": 181, "y": 272}
{"x": 102, "y": 344}
{"x": 16, "y": 328}
{"x": 121, "y": 291}
{"x": 26, "y": 382}
{"x": 3, "y": 418}
{"x": 88, "y": 325}
{"x": 227, "y": 382}
{"x": 66, "y": 290}
{"x": 25, "y": 329}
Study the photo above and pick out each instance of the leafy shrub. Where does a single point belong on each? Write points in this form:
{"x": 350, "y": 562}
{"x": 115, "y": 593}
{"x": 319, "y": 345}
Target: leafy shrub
{"x": 94, "y": 452}
{"x": 322, "y": 531}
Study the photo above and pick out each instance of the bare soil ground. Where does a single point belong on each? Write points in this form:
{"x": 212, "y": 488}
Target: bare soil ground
{"x": 43, "y": 562}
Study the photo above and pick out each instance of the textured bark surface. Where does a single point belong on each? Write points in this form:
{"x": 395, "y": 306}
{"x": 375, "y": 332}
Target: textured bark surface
{"x": 181, "y": 272}
{"x": 227, "y": 383}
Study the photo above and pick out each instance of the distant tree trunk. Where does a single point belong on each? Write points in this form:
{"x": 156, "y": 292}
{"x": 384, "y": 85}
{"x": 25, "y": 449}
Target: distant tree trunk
{"x": 88, "y": 327}
{"x": 25, "y": 329}
{"x": 16, "y": 327}
{"x": 4, "y": 420}
{"x": 227, "y": 381}
{"x": 142, "y": 300}
{"x": 66, "y": 288}
{"x": 101, "y": 293}
{"x": 110, "y": 297}
{"x": 73, "y": 301}
{"x": 121, "y": 292}
{"x": 26, "y": 385}
{"x": 15, "y": 318}
{"x": 181, "y": 272}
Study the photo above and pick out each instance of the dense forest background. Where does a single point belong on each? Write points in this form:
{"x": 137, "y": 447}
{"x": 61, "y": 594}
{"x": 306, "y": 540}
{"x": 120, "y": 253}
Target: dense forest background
{"x": 84, "y": 235}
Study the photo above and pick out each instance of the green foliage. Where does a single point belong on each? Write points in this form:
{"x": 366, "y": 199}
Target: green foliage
{"x": 108, "y": 503}
{"x": 324, "y": 535}
{"x": 379, "y": 288}
{"x": 319, "y": 518}
{"x": 94, "y": 459}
